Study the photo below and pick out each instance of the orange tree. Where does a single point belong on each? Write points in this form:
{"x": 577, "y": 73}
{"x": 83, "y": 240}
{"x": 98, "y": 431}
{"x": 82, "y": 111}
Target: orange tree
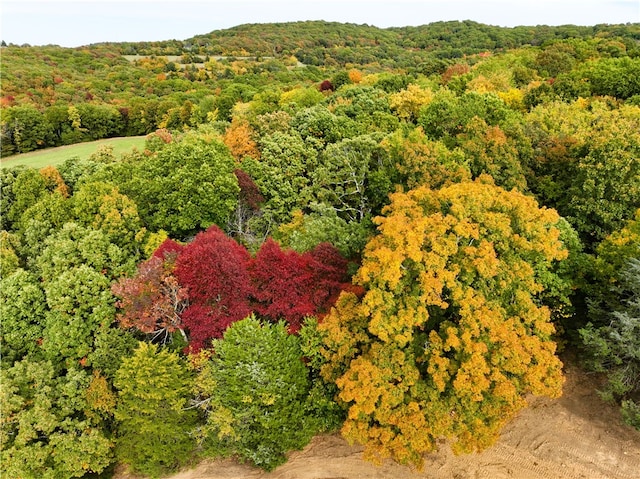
{"x": 450, "y": 334}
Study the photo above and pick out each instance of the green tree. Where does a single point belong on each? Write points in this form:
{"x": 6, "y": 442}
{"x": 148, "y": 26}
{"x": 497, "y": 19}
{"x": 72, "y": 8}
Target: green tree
{"x": 447, "y": 115}
{"x": 354, "y": 176}
{"x": 74, "y": 246}
{"x": 9, "y": 247}
{"x": 184, "y": 187}
{"x": 424, "y": 162}
{"x": 79, "y": 302}
{"x": 153, "y": 426}
{"x": 606, "y": 189}
{"x": 49, "y": 428}
{"x": 40, "y": 221}
{"x": 254, "y": 390}
{"x": 22, "y": 308}
{"x": 101, "y": 206}
{"x": 615, "y": 348}
{"x": 27, "y": 189}
{"x": 24, "y": 129}
{"x": 283, "y": 173}
{"x": 450, "y": 335}
{"x": 603, "y": 288}
{"x": 323, "y": 224}
{"x": 490, "y": 151}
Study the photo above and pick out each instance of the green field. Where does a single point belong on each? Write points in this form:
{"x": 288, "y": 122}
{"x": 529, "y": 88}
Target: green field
{"x": 55, "y": 156}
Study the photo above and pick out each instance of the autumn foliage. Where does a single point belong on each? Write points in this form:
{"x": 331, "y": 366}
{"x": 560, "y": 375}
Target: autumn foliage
{"x": 207, "y": 285}
{"x": 449, "y": 337}
{"x": 239, "y": 139}
{"x": 213, "y": 269}
{"x": 291, "y": 285}
{"x": 152, "y": 301}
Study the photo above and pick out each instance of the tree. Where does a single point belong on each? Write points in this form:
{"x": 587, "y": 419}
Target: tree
{"x": 9, "y": 260}
{"x": 408, "y": 102}
{"x": 184, "y": 187}
{"x": 101, "y": 206}
{"x": 213, "y": 269}
{"x": 447, "y": 115}
{"x": 151, "y": 301}
{"x": 615, "y": 348}
{"x": 323, "y": 225}
{"x": 355, "y": 177}
{"x": 74, "y": 246}
{"x": 603, "y": 288}
{"x": 41, "y": 220}
{"x": 616, "y": 77}
{"x": 490, "y": 151}
{"x": 283, "y": 173}
{"x": 424, "y": 162}
{"x": 253, "y": 391}
{"x": 153, "y": 424}
{"x": 27, "y": 129}
{"x": 22, "y": 308}
{"x": 606, "y": 188}
{"x": 80, "y": 303}
{"x": 450, "y": 335}
{"x": 239, "y": 138}
{"x": 318, "y": 123}
{"x": 247, "y": 210}
{"x": 27, "y": 189}
{"x": 290, "y": 286}
{"x": 49, "y": 428}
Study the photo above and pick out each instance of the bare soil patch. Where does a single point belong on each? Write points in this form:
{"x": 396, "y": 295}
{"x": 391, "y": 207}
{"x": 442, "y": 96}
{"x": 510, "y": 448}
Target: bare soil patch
{"x": 575, "y": 437}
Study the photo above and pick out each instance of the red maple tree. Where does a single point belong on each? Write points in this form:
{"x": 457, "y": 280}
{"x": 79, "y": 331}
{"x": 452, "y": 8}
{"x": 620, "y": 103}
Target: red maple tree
{"x": 213, "y": 269}
{"x": 289, "y": 285}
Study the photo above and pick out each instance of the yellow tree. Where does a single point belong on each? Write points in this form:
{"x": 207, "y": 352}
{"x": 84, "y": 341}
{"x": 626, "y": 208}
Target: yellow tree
{"x": 450, "y": 335}
{"x": 408, "y": 102}
{"x": 239, "y": 140}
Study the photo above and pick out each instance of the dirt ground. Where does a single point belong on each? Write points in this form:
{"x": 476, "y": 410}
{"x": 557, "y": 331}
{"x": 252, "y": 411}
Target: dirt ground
{"x": 574, "y": 437}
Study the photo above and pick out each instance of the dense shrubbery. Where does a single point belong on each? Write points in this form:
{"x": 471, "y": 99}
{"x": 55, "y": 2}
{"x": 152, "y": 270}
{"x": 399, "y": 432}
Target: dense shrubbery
{"x": 200, "y": 280}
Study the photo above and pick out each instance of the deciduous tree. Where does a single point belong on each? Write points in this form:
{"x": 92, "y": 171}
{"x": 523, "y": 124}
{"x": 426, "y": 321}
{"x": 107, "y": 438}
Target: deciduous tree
{"x": 153, "y": 424}
{"x": 151, "y": 301}
{"x": 213, "y": 269}
{"x": 48, "y": 427}
{"x": 254, "y": 391}
{"x": 290, "y": 286}
{"x": 450, "y": 335}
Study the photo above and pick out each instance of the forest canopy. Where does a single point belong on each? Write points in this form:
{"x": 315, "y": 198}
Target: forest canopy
{"x": 392, "y": 233}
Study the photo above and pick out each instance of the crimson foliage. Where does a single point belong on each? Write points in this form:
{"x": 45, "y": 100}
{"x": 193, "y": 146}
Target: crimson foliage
{"x": 212, "y": 282}
{"x": 288, "y": 285}
{"x": 249, "y": 193}
{"x": 168, "y": 250}
{"x": 213, "y": 268}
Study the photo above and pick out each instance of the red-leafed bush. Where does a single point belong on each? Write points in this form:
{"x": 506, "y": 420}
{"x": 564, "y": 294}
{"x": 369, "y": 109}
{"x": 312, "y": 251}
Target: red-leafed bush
{"x": 206, "y": 323}
{"x": 330, "y": 276}
{"x": 288, "y": 285}
{"x": 208, "y": 284}
{"x": 326, "y": 85}
{"x": 213, "y": 268}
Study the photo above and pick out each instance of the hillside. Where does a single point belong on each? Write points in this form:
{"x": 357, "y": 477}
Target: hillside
{"x": 391, "y": 233}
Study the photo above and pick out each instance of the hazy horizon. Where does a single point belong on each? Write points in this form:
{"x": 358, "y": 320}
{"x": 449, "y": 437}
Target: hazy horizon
{"x": 75, "y": 23}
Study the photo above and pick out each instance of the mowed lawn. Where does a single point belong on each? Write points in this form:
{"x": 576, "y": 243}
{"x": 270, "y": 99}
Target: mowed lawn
{"x": 56, "y": 156}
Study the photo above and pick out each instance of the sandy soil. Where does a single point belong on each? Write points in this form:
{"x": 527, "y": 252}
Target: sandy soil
{"x": 574, "y": 437}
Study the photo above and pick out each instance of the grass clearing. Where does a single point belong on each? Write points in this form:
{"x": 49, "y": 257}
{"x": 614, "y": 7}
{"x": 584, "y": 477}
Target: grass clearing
{"x": 56, "y": 156}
